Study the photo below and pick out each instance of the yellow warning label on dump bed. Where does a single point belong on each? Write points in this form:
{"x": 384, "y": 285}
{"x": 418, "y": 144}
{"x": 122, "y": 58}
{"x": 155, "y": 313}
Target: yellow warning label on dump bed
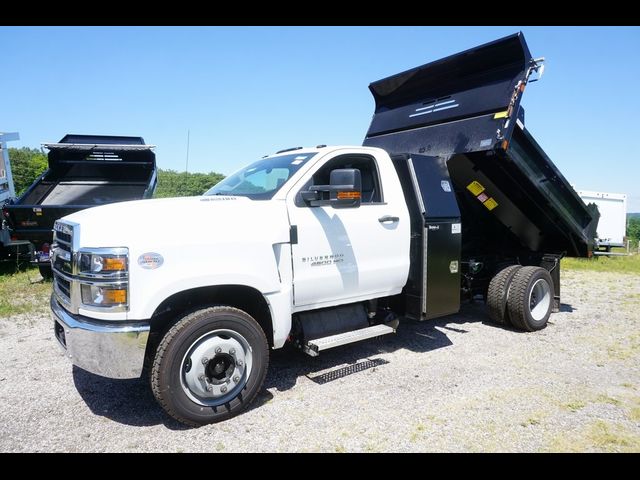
{"x": 490, "y": 203}
{"x": 475, "y": 187}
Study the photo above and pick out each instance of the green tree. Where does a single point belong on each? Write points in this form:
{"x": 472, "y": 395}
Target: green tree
{"x": 183, "y": 184}
{"x": 26, "y": 165}
{"x": 633, "y": 230}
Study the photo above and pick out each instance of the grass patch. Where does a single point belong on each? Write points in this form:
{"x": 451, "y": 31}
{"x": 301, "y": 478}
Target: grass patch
{"x": 599, "y": 436}
{"x": 574, "y": 406}
{"x": 417, "y": 432}
{"x": 607, "y": 399}
{"x": 625, "y": 350}
{"x": 612, "y": 437}
{"x": 634, "y": 414}
{"x": 23, "y": 292}
{"x": 531, "y": 421}
{"x": 601, "y": 263}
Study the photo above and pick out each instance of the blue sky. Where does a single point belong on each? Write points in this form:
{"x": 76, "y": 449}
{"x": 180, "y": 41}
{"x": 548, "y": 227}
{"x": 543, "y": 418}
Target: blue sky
{"x": 244, "y": 92}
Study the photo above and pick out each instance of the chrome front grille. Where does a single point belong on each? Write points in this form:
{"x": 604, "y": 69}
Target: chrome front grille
{"x": 63, "y": 237}
{"x": 71, "y": 279}
{"x": 62, "y": 262}
{"x": 63, "y": 286}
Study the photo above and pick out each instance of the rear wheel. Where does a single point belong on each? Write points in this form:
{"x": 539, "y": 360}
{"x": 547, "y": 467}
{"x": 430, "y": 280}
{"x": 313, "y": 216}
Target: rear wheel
{"x": 498, "y": 293}
{"x": 530, "y": 298}
{"x": 210, "y": 365}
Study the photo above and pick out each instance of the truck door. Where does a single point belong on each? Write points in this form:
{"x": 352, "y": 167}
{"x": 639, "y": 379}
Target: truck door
{"x": 349, "y": 253}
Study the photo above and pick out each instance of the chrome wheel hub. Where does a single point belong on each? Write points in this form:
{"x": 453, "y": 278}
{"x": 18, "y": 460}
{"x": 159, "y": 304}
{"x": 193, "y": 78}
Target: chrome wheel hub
{"x": 539, "y": 299}
{"x": 216, "y": 367}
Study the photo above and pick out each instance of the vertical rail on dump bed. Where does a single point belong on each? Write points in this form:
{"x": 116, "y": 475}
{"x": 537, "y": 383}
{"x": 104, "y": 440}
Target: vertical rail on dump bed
{"x": 465, "y": 109}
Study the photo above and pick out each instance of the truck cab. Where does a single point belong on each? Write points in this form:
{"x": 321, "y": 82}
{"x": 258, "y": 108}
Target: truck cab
{"x": 308, "y": 229}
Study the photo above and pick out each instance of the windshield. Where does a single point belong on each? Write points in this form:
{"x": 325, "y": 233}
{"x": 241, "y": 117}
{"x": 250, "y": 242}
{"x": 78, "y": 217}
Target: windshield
{"x": 262, "y": 179}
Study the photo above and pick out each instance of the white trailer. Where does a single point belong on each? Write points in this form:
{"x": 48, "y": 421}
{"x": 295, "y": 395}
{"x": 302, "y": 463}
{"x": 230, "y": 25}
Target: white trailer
{"x": 6, "y": 180}
{"x": 613, "y": 217}
{"x": 7, "y": 191}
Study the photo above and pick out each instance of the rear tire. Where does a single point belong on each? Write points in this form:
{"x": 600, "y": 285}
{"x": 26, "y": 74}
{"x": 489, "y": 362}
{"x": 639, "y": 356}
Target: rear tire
{"x": 210, "y": 365}
{"x": 530, "y": 298}
{"x": 498, "y": 293}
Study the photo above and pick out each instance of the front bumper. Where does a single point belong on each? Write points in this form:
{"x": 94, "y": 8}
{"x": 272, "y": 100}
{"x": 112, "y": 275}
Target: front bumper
{"x": 113, "y": 350}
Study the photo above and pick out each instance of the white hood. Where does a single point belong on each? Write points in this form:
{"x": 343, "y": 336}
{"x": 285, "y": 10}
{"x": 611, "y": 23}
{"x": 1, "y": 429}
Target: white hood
{"x": 203, "y": 241}
{"x": 184, "y": 221}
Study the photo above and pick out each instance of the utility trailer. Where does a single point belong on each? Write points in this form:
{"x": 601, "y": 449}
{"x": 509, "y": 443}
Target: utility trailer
{"x": 84, "y": 171}
{"x": 612, "y": 225}
{"x": 457, "y": 125}
{"x": 7, "y": 195}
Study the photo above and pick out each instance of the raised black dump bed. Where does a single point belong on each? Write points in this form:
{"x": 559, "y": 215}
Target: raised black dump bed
{"x": 84, "y": 171}
{"x": 459, "y": 123}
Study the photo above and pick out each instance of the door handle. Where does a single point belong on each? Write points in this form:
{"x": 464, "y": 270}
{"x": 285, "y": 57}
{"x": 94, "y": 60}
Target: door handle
{"x": 388, "y": 219}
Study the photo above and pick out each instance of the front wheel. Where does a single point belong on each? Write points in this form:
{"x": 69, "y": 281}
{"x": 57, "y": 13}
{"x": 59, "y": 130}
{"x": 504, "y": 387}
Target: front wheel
{"x": 210, "y": 365}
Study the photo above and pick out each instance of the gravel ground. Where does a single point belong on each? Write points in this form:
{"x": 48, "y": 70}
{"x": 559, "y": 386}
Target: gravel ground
{"x": 455, "y": 384}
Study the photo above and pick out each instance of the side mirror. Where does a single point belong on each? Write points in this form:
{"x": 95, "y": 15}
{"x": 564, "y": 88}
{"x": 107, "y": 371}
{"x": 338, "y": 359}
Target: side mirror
{"x": 346, "y": 188}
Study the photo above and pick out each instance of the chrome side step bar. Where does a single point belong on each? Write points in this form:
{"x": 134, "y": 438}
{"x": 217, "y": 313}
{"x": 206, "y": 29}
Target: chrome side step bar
{"x": 314, "y": 347}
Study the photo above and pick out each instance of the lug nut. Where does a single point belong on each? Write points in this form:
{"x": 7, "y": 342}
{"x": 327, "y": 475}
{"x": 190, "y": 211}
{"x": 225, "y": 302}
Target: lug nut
{"x": 209, "y": 388}
{"x": 218, "y": 349}
{"x": 232, "y": 351}
{"x": 205, "y": 360}
{"x": 201, "y": 377}
{"x": 223, "y": 389}
{"x": 239, "y": 362}
{"x": 236, "y": 379}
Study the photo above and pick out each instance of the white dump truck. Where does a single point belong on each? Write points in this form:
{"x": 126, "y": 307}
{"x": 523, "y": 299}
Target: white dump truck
{"x": 449, "y": 198}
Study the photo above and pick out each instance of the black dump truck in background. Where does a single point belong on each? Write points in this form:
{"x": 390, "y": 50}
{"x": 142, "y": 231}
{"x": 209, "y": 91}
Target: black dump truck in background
{"x": 457, "y": 124}
{"x": 84, "y": 171}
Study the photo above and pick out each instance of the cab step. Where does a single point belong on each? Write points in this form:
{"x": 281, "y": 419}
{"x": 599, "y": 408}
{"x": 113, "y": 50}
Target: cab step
{"x": 314, "y": 347}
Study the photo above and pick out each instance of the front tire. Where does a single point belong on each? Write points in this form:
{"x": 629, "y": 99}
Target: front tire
{"x": 210, "y": 365}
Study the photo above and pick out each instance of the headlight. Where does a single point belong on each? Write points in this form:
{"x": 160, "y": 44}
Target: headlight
{"x": 103, "y": 277}
{"x": 102, "y": 263}
{"x": 104, "y": 296}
